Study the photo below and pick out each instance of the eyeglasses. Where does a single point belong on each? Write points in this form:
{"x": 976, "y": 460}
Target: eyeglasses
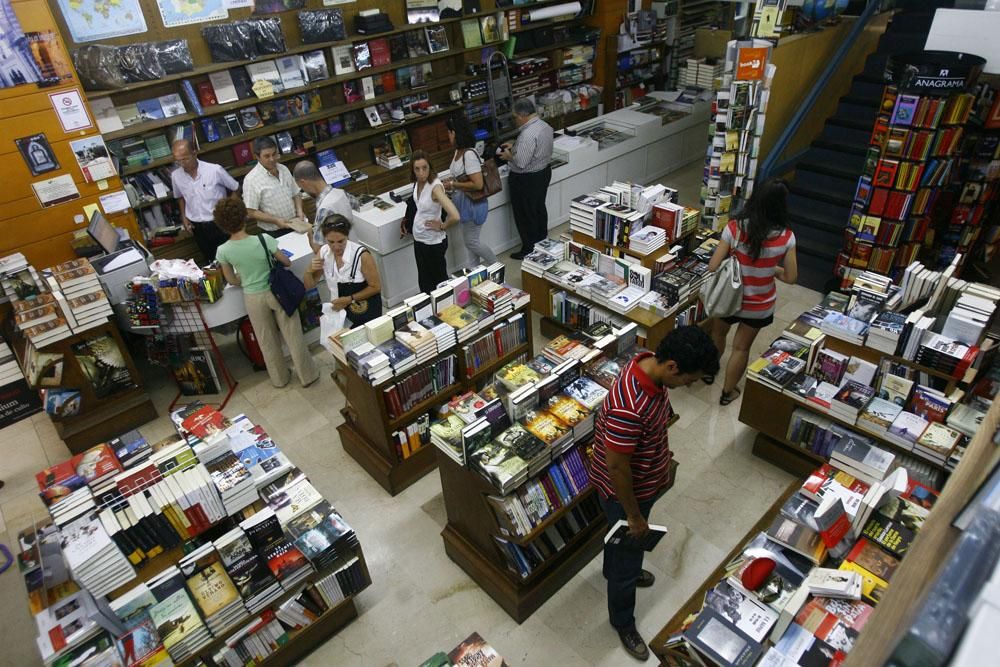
{"x": 336, "y": 226}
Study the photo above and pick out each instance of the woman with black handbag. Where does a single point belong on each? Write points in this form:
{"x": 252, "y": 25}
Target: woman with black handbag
{"x": 245, "y": 261}
{"x": 350, "y": 271}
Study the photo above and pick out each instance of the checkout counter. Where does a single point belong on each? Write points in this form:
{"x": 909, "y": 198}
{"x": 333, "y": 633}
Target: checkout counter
{"x": 649, "y": 150}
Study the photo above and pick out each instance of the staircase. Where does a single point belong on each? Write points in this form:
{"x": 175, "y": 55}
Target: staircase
{"x": 826, "y": 174}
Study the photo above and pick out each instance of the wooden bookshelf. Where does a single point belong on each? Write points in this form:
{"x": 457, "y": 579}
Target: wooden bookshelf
{"x": 366, "y": 433}
{"x": 655, "y": 328}
{"x": 694, "y": 603}
{"x": 770, "y": 412}
{"x": 468, "y": 541}
{"x": 875, "y": 356}
{"x": 100, "y": 418}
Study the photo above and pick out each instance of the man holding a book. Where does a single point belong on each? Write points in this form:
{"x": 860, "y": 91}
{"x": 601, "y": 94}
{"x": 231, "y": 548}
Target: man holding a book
{"x": 632, "y": 460}
{"x": 329, "y": 200}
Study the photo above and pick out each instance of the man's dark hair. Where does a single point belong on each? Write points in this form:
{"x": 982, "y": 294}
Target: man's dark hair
{"x": 261, "y": 144}
{"x": 691, "y": 349}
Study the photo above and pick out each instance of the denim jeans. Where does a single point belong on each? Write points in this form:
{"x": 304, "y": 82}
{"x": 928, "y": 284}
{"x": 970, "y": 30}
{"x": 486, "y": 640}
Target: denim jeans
{"x": 622, "y": 566}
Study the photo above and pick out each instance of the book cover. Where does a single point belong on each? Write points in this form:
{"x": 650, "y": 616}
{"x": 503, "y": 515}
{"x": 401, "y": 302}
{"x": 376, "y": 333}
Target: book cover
{"x": 545, "y": 426}
{"x": 618, "y": 534}
{"x": 712, "y": 634}
{"x": 361, "y": 56}
{"x": 176, "y": 618}
{"x": 211, "y": 588}
{"x": 474, "y": 651}
{"x": 892, "y": 536}
{"x": 103, "y": 364}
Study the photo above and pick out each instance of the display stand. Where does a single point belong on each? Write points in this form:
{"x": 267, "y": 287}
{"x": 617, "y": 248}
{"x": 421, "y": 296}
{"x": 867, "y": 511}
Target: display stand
{"x": 187, "y": 318}
{"x": 366, "y": 433}
{"x": 769, "y": 411}
{"x": 697, "y": 599}
{"x": 653, "y": 328}
{"x": 99, "y": 418}
{"x": 468, "y": 540}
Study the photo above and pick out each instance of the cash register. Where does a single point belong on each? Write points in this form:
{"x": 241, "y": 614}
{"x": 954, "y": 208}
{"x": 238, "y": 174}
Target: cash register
{"x": 123, "y": 260}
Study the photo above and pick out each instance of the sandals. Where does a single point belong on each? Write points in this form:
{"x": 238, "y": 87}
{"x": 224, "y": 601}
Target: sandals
{"x": 708, "y": 379}
{"x": 729, "y": 397}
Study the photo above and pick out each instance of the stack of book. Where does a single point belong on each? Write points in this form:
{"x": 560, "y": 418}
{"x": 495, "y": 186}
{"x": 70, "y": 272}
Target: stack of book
{"x": 19, "y": 279}
{"x": 878, "y": 416}
{"x": 286, "y": 561}
{"x": 885, "y": 330}
{"x": 322, "y": 534}
{"x": 648, "y": 240}
{"x": 947, "y": 355}
{"x": 370, "y": 363}
{"x": 233, "y": 482}
{"x": 211, "y": 588}
{"x": 92, "y": 557}
{"x": 968, "y": 318}
{"x": 254, "y": 581}
{"x": 937, "y": 442}
{"x": 587, "y": 392}
{"x": 419, "y": 340}
{"x": 178, "y": 622}
{"x": 850, "y": 399}
{"x": 537, "y": 262}
{"x": 905, "y": 429}
{"x": 401, "y": 358}
{"x": 464, "y": 323}
{"x": 861, "y": 458}
{"x": 9, "y": 370}
{"x": 444, "y": 333}
{"x": 40, "y": 320}
{"x": 85, "y": 311}
{"x": 446, "y": 435}
{"x": 263, "y": 635}
{"x": 839, "y": 325}
{"x": 583, "y": 212}
{"x": 494, "y": 298}
{"x": 572, "y": 413}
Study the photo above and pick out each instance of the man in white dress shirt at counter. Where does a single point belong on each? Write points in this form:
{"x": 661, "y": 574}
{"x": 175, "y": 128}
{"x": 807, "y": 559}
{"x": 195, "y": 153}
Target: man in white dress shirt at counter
{"x": 198, "y": 186}
{"x": 530, "y": 175}
{"x": 329, "y": 200}
{"x": 269, "y": 191}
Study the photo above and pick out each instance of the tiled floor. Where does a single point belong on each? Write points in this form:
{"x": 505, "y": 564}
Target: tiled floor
{"x": 420, "y": 602}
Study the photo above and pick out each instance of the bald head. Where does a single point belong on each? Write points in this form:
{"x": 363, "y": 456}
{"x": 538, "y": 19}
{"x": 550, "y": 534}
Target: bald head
{"x": 308, "y": 178}
{"x": 185, "y": 155}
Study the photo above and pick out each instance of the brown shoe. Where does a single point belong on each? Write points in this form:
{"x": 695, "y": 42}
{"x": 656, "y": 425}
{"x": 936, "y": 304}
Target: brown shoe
{"x": 634, "y": 644}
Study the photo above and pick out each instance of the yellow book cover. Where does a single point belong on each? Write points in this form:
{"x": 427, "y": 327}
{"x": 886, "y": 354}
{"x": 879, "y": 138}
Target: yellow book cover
{"x": 545, "y": 426}
{"x": 212, "y": 589}
{"x": 567, "y": 409}
{"x": 872, "y": 587}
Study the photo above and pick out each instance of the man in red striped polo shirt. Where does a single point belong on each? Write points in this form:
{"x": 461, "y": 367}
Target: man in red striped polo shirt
{"x": 631, "y": 459}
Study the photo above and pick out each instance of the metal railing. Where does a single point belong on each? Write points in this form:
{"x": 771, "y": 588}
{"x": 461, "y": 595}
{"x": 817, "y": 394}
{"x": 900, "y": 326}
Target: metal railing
{"x": 771, "y": 166}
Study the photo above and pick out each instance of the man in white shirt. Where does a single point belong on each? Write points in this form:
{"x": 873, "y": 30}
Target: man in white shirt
{"x": 328, "y": 199}
{"x": 269, "y": 191}
{"x": 198, "y": 186}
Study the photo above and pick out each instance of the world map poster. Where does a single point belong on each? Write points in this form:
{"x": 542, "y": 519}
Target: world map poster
{"x": 184, "y": 12}
{"x": 93, "y": 20}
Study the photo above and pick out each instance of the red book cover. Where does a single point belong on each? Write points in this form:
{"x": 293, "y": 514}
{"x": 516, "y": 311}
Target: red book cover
{"x": 920, "y": 495}
{"x": 388, "y": 81}
{"x": 379, "y": 49}
{"x": 139, "y": 479}
{"x": 552, "y": 493}
{"x": 97, "y": 462}
{"x": 206, "y": 94}
{"x": 205, "y": 423}
{"x": 835, "y": 533}
{"x": 885, "y": 173}
{"x": 59, "y": 481}
{"x": 242, "y": 153}
{"x": 877, "y": 204}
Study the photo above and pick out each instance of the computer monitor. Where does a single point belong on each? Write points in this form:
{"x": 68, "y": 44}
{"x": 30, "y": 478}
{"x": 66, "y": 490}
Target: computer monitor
{"x": 103, "y": 232}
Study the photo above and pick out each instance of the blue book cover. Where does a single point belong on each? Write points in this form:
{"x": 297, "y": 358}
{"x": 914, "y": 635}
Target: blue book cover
{"x": 150, "y": 109}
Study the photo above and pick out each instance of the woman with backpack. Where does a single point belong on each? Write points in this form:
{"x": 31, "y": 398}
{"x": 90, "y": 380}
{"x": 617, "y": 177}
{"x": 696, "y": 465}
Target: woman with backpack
{"x": 466, "y": 177}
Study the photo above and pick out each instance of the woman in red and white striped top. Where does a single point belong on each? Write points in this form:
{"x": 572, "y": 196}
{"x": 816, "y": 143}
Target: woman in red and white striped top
{"x": 765, "y": 248}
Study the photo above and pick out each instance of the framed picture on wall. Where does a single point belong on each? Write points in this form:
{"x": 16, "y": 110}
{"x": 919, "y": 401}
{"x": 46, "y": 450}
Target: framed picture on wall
{"x": 37, "y": 154}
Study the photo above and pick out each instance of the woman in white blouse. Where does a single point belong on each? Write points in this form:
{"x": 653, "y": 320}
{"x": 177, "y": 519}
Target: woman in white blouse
{"x": 430, "y": 241}
{"x": 350, "y": 272}
{"x": 466, "y": 178}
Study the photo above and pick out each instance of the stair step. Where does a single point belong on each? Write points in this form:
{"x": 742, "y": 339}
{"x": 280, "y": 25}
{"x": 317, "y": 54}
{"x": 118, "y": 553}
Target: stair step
{"x": 846, "y": 136}
{"x": 850, "y": 123}
{"x": 807, "y": 246}
{"x": 852, "y": 161}
{"x": 839, "y": 147}
{"x": 861, "y": 113}
{"x": 833, "y": 168}
{"x": 826, "y": 225}
{"x": 802, "y": 203}
{"x": 866, "y": 89}
{"x": 836, "y": 199}
{"x": 870, "y": 101}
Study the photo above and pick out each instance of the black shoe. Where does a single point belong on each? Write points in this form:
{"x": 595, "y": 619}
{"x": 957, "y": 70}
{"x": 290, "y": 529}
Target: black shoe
{"x": 708, "y": 379}
{"x": 646, "y": 579}
{"x": 520, "y": 254}
{"x": 634, "y": 644}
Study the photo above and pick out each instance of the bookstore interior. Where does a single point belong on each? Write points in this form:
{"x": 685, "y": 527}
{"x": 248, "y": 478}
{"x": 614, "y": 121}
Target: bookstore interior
{"x": 439, "y": 495}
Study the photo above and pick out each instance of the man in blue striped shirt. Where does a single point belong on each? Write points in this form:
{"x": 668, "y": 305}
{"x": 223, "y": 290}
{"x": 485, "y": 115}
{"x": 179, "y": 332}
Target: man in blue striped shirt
{"x": 530, "y": 175}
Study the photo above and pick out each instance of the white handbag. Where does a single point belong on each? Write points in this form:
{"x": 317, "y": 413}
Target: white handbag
{"x": 722, "y": 293}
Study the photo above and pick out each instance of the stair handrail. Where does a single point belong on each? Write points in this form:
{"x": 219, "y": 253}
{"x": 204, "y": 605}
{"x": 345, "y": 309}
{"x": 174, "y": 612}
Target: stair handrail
{"x": 770, "y": 164}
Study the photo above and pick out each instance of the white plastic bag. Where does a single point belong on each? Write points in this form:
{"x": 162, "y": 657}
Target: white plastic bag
{"x": 330, "y": 322}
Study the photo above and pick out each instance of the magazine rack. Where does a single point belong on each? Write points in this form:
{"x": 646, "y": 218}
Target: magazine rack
{"x": 206, "y": 369}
